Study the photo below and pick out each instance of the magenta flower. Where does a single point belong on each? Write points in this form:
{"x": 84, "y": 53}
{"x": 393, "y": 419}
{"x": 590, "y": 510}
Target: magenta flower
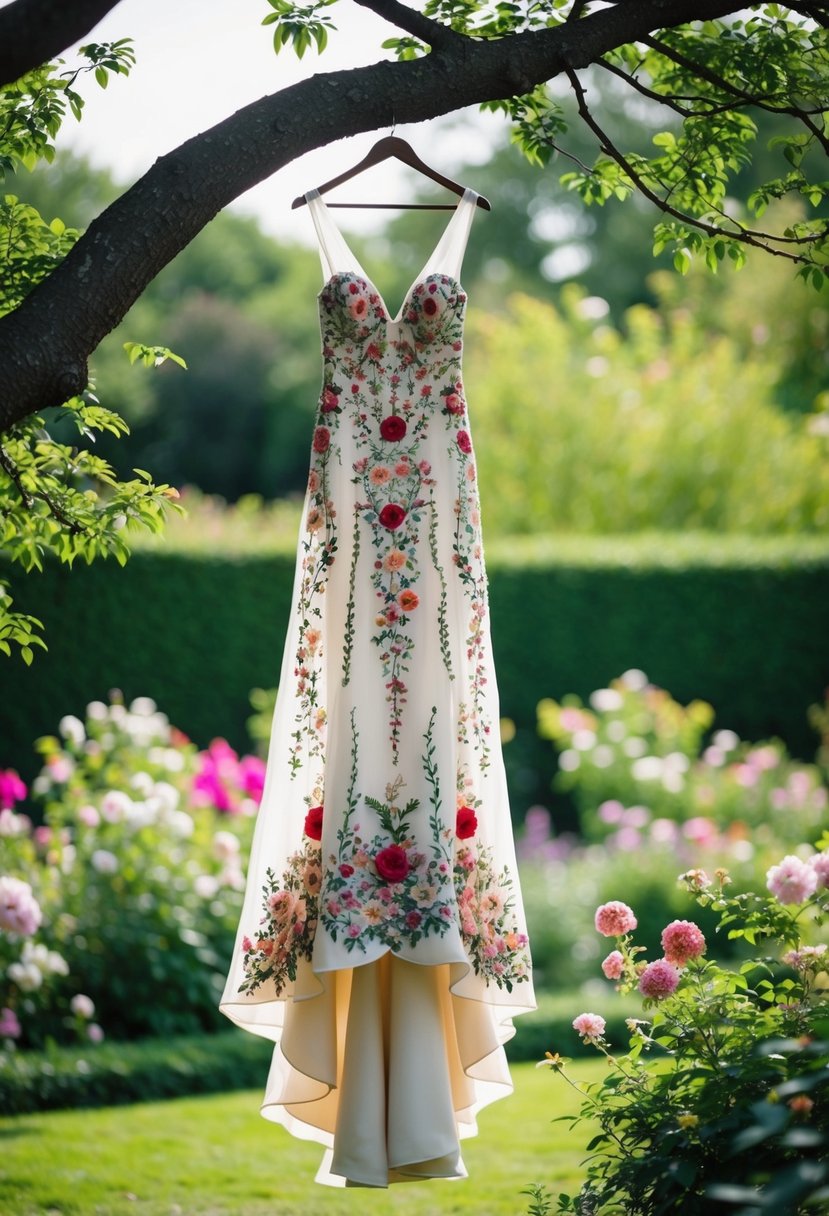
{"x": 613, "y": 965}
{"x": 252, "y": 776}
{"x": 658, "y": 980}
{"x": 614, "y": 919}
{"x": 589, "y": 1025}
{"x": 792, "y": 881}
{"x": 12, "y": 789}
{"x": 682, "y": 940}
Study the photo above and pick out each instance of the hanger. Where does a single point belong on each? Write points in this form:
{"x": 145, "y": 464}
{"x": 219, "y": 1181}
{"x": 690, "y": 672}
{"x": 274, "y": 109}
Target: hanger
{"x": 392, "y": 145}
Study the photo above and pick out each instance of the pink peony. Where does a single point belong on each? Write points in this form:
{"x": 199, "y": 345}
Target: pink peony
{"x": 820, "y": 865}
{"x": 613, "y": 965}
{"x": 614, "y": 919}
{"x": 792, "y": 881}
{"x": 659, "y": 979}
{"x": 589, "y": 1025}
{"x": 682, "y": 940}
{"x": 10, "y": 1027}
{"x": 19, "y": 910}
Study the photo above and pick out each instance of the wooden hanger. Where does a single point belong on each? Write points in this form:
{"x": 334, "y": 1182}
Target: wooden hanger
{"x": 392, "y": 145}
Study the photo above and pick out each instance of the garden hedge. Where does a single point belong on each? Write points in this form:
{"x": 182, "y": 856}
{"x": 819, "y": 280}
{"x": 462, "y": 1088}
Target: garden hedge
{"x": 739, "y": 621}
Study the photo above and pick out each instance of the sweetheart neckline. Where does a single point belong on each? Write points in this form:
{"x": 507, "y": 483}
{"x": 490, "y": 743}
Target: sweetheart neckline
{"x": 363, "y": 278}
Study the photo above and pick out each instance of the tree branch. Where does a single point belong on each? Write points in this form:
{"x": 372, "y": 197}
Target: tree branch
{"x": 747, "y": 235}
{"x": 417, "y": 24}
{"x": 33, "y": 32}
{"x": 45, "y": 343}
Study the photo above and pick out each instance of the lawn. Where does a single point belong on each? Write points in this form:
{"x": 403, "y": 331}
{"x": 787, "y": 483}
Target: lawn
{"x": 216, "y": 1156}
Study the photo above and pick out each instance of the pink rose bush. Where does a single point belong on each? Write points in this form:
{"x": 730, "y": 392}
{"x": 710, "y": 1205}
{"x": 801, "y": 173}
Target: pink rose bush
{"x": 745, "y": 1060}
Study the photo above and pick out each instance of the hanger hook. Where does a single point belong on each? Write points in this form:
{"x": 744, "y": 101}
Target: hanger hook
{"x": 393, "y": 123}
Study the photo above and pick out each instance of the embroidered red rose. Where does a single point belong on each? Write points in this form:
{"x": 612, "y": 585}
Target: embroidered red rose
{"x": 393, "y": 428}
{"x": 464, "y": 442}
{"x": 313, "y": 823}
{"x": 392, "y": 863}
{"x": 453, "y": 403}
{"x": 413, "y": 919}
{"x": 392, "y": 516}
{"x": 467, "y": 823}
{"x": 322, "y": 438}
{"x": 430, "y": 306}
{"x": 330, "y": 400}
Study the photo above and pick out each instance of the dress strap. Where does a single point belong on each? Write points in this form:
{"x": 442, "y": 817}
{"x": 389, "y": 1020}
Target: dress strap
{"x": 448, "y": 255}
{"x": 335, "y": 255}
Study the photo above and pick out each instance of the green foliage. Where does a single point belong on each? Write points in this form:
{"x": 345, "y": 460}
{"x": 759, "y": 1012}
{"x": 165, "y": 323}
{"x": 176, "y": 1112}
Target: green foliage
{"x": 581, "y": 429}
{"x": 57, "y": 497}
{"x": 299, "y": 25}
{"x": 737, "y": 1116}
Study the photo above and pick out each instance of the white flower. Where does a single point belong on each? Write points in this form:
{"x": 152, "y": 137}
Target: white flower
{"x": 19, "y": 910}
{"x": 72, "y": 729}
{"x": 96, "y": 711}
{"x": 726, "y": 739}
{"x": 672, "y": 781}
{"x": 104, "y": 862}
{"x": 167, "y": 795}
{"x": 142, "y": 783}
{"x": 181, "y": 823}
{"x": 603, "y": 756}
{"x": 232, "y": 876}
{"x": 634, "y": 679}
{"x": 143, "y": 706}
{"x": 616, "y": 730}
{"x": 82, "y": 1006}
{"x": 569, "y": 760}
{"x": 634, "y": 746}
{"x": 206, "y": 886}
{"x": 606, "y": 699}
{"x": 583, "y": 740}
{"x": 114, "y": 805}
{"x": 28, "y": 977}
{"x": 677, "y": 760}
{"x": 42, "y": 783}
{"x": 12, "y": 824}
{"x": 48, "y": 962}
{"x": 647, "y": 768}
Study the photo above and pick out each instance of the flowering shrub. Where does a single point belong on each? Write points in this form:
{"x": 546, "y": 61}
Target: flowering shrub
{"x": 122, "y": 904}
{"x": 737, "y": 1114}
{"x": 635, "y": 763}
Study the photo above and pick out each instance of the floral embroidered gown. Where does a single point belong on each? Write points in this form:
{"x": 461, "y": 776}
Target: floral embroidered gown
{"x": 382, "y": 943}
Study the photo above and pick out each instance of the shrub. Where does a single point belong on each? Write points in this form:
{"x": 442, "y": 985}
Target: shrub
{"x": 737, "y": 1116}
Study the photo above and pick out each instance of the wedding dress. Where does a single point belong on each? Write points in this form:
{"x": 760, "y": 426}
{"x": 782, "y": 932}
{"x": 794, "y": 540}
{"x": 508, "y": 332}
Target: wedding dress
{"x": 382, "y": 943}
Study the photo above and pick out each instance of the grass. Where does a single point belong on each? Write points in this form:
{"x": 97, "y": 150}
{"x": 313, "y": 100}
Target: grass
{"x": 215, "y": 1156}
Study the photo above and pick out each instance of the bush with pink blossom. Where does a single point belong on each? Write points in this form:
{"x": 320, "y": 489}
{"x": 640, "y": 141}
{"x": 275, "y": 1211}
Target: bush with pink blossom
{"x": 124, "y": 899}
{"x": 735, "y": 1112}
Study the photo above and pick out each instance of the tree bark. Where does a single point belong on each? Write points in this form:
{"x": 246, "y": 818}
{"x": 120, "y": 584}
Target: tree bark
{"x": 32, "y": 32}
{"x": 45, "y": 343}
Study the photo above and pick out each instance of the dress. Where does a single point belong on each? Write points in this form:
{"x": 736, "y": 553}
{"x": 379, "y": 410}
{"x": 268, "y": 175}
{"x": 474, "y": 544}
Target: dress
{"x": 382, "y": 942}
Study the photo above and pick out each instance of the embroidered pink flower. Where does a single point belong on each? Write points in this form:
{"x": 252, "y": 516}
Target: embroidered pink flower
{"x": 682, "y": 940}
{"x": 413, "y": 919}
{"x": 394, "y": 560}
{"x": 463, "y": 441}
{"x": 357, "y": 306}
{"x": 313, "y": 823}
{"x": 379, "y": 475}
{"x": 408, "y": 600}
{"x": 322, "y": 439}
{"x": 613, "y": 965}
{"x": 392, "y": 516}
{"x": 614, "y": 919}
{"x": 466, "y": 824}
{"x": 330, "y": 399}
{"x": 589, "y": 1025}
{"x": 393, "y": 428}
{"x": 392, "y": 863}
{"x": 453, "y": 403}
{"x": 792, "y": 881}
{"x": 658, "y": 980}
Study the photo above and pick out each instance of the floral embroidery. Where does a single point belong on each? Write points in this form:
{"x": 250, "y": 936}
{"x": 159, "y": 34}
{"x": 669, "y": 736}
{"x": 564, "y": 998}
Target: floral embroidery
{"x": 288, "y": 925}
{"x": 496, "y": 949}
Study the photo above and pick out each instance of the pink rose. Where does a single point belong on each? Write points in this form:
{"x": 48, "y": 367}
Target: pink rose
{"x": 453, "y": 403}
{"x": 589, "y": 1025}
{"x": 330, "y": 399}
{"x": 413, "y": 919}
{"x": 392, "y": 863}
{"x": 613, "y": 965}
{"x": 792, "y": 881}
{"x": 614, "y": 919}
{"x": 19, "y": 910}
{"x": 463, "y": 441}
{"x": 682, "y": 940}
{"x": 820, "y": 865}
{"x": 658, "y": 980}
{"x": 322, "y": 439}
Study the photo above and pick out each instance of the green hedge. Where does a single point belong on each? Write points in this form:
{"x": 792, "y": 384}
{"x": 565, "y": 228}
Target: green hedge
{"x": 112, "y": 1074}
{"x": 738, "y": 621}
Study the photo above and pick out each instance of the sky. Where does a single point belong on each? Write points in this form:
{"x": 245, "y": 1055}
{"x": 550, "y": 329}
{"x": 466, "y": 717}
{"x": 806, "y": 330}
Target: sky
{"x": 200, "y": 60}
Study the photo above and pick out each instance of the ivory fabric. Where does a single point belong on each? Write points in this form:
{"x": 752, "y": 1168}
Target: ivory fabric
{"x": 382, "y": 944}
